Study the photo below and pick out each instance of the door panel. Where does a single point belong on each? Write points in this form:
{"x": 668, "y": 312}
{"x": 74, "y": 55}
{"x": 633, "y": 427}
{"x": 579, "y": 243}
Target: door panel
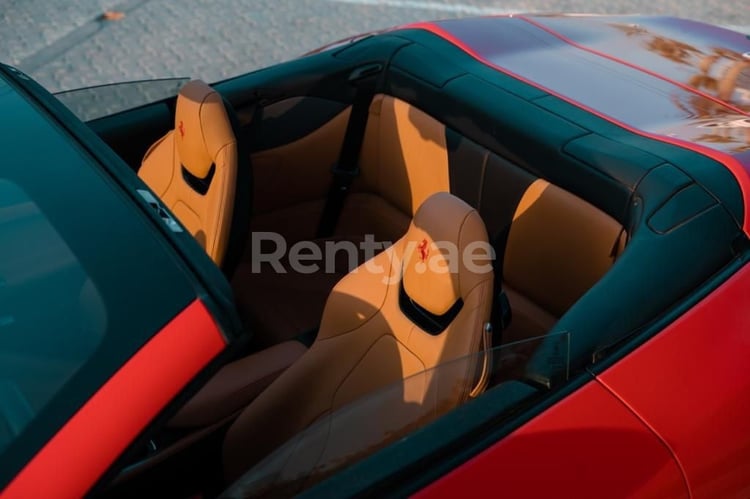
{"x": 588, "y": 445}
{"x": 691, "y": 384}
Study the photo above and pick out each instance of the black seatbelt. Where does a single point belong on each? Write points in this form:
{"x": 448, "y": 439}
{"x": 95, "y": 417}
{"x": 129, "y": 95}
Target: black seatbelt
{"x": 242, "y": 210}
{"x": 347, "y": 168}
{"x": 501, "y": 315}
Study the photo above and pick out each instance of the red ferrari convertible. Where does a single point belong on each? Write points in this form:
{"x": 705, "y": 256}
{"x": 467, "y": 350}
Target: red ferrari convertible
{"x": 495, "y": 254}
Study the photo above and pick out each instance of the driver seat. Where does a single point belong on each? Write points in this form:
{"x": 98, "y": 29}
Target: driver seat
{"x": 201, "y": 173}
{"x": 404, "y": 312}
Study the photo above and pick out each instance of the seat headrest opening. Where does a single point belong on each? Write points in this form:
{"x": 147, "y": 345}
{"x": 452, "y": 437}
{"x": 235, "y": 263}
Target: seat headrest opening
{"x": 443, "y": 249}
{"x": 202, "y": 127}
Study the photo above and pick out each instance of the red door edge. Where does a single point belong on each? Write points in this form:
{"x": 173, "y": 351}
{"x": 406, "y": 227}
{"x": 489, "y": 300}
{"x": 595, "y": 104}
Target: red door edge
{"x": 74, "y": 459}
{"x": 652, "y": 430}
{"x": 731, "y": 163}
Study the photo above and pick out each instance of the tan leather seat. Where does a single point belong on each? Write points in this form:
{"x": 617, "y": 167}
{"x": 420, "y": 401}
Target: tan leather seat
{"x": 404, "y": 159}
{"x": 236, "y": 385}
{"x": 379, "y": 328}
{"x": 558, "y": 247}
{"x": 195, "y": 170}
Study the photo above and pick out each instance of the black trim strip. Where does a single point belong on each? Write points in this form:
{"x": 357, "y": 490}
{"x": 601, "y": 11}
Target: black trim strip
{"x": 426, "y": 320}
{"x": 199, "y": 185}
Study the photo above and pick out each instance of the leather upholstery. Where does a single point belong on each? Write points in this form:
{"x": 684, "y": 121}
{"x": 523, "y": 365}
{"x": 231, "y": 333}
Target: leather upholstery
{"x": 404, "y": 160}
{"x": 558, "y": 247}
{"x": 202, "y": 139}
{"x": 236, "y": 385}
{"x": 366, "y": 342}
{"x": 404, "y": 155}
{"x": 289, "y": 177}
{"x": 280, "y": 306}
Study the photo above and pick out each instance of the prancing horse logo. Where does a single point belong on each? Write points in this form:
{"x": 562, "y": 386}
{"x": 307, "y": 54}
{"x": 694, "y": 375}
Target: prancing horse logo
{"x": 181, "y": 128}
{"x": 424, "y": 251}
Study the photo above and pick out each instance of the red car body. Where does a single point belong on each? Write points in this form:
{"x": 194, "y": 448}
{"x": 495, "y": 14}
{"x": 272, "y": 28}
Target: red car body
{"x": 660, "y": 425}
{"x": 669, "y": 419}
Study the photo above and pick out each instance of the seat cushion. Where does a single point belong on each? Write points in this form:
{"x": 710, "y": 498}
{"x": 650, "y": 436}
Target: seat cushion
{"x": 236, "y": 385}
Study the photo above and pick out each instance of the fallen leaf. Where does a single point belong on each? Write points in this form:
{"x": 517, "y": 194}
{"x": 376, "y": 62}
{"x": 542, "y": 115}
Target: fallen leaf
{"x": 112, "y": 15}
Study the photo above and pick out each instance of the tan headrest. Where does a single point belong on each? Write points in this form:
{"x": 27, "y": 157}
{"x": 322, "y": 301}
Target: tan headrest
{"x": 437, "y": 269}
{"x": 202, "y": 127}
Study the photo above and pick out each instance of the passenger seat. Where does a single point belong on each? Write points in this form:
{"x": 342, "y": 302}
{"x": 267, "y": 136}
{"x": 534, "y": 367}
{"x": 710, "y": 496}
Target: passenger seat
{"x": 201, "y": 173}
{"x": 398, "y": 315}
{"x": 558, "y": 247}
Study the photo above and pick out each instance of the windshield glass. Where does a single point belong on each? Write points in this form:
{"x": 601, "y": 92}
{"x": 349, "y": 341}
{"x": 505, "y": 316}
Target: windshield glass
{"x": 95, "y": 102}
{"x": 361, "y": 428}
{"x": 33, "y": 363}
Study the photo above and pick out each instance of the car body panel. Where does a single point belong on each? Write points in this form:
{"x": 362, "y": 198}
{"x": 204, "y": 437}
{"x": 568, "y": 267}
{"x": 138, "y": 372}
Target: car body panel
{"x": 661, "y": 98}
{"x": 670, "y": 48}
{"x": 540, "y": 58}
{"x": 119, "y": 411}
{"x": 697, "y": 407}
{"x": 691, "y": 384}
{"x": 588, "y": 445}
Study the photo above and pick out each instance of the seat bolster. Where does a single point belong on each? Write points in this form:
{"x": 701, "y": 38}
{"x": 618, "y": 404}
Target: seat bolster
{"x": 475, "y": 255}
{"x": 236, "y": 385}
{"x": 153, "y": 170}
{"x": 219, "y": 203}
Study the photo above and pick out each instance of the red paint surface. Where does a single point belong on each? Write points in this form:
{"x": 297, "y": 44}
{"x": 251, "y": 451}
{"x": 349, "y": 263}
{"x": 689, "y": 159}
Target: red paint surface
{"x": 691, "y": 383}
{"x": 732, "y": 164}
{"x": 74, "y": 459}
{"x": 688, "y": 53}
{"x": 587, "y": 446}
{"x": 655, "y": 74}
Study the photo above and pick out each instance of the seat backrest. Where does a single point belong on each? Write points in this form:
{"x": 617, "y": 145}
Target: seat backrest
{"x": 404, "y": 155}
{"x": 414, "y": 306}
{"x": 404, "y": 160}
{"x": 194, "y": 169}
{"x": 558, "y": 247}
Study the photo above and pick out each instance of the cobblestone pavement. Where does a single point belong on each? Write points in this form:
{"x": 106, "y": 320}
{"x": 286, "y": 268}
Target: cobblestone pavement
{"x": 66, "y": 44}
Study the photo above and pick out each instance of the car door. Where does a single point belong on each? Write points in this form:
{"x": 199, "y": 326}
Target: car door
{"x": 108, "y": 308}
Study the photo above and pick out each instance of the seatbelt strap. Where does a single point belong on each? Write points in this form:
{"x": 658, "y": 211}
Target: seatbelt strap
{"x": 501, "y": 314}
{"x": 242, "y": 209}
{"x": 347, "y": 167}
